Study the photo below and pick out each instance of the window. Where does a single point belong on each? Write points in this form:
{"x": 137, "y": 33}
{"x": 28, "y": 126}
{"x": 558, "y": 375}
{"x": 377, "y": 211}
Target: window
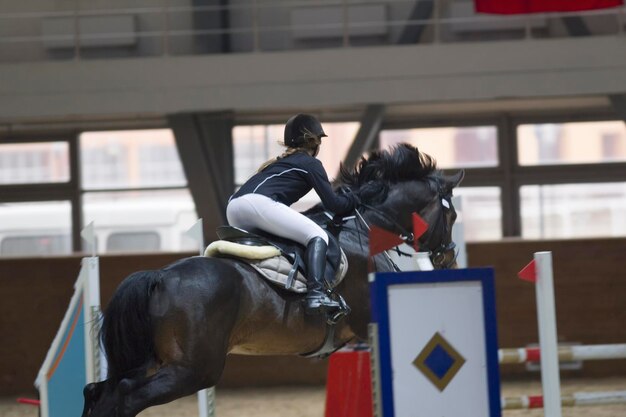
{"x": 130, "y": 159}
{"x": 41, "y": 228}
{"x": 253, "y": 145}
{"x": 571, "y": 143}
{"x": 452, "y": 147}
{"x": 135, "y": 190}
{"x": 132, "y": 186}
{"x": 573, "y": 210}
{"x": 481, "y": 213}
{"x": 133, "y": 241}
{"x": 149, "y": 220}
{"x": 35, "y": 162}
{"x": 36, "y": 245}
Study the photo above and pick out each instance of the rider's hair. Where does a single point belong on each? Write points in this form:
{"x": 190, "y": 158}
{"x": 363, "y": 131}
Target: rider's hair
{"x": 311, "y": 144}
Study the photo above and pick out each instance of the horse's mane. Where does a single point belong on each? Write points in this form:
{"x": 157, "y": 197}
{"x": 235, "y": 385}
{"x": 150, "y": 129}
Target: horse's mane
{"x": 373, "y": 175}
{"x": 403, "y": 162}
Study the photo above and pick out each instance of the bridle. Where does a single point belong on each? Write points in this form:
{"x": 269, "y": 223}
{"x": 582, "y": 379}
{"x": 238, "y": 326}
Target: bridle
{"x": 439, "y": 254}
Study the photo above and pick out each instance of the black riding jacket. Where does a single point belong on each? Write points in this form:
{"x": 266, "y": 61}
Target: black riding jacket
{"x": 288, "y": 179}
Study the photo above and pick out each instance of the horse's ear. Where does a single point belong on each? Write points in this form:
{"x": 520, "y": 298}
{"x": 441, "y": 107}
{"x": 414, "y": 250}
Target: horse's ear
{"x": 454, "y": 180}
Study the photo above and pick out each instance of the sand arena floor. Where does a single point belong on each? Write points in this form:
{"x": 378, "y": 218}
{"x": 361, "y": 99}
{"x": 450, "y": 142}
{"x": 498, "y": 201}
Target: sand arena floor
{"x": 309, "y": 402}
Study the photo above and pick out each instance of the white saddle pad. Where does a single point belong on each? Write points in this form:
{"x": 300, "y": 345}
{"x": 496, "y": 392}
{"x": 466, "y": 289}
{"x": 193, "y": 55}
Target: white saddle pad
{"x": 268, "y": 261}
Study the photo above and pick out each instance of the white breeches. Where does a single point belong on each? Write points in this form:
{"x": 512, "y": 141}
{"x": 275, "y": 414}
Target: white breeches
{"x": 252, "y": 211}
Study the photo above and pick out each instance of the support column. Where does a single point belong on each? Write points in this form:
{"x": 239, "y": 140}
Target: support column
{"x": 618, "y": 101}
{"x": 204, "y": 142}
{"x": 368, "y": 133}
{"x": 412, "y": 33}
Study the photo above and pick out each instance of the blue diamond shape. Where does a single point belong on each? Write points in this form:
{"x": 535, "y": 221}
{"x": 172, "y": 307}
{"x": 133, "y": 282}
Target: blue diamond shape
{"x": 439, "y": 361}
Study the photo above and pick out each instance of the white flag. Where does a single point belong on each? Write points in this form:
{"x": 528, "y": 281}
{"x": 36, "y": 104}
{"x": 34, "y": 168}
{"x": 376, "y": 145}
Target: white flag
{"x": 88, "y": 235}
{"x": 195, "y": 232}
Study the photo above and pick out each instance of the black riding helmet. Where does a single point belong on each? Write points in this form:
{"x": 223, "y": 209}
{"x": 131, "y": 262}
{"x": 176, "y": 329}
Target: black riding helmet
{"x": 299, "y": 127}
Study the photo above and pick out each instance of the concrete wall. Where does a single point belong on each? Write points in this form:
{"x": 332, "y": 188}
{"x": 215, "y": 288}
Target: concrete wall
{"x": 321, "y": 78}
{"x": 589, "y": 282}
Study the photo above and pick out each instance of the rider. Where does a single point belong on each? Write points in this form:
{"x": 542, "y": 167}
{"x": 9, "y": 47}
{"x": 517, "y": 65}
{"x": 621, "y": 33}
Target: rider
{"x": 263, "y": 202}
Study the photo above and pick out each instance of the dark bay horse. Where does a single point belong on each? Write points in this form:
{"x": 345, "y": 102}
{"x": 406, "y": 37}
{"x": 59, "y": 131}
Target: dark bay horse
{"x": 166, "y": 333}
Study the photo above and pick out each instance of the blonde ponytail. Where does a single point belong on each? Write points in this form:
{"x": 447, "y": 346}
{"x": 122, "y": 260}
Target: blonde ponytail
{"x": 311, "y": 145}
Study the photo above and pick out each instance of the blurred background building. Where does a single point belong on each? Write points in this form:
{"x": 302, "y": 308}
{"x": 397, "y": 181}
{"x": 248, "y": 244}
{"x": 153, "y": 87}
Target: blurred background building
{"x": 144, "y": 115}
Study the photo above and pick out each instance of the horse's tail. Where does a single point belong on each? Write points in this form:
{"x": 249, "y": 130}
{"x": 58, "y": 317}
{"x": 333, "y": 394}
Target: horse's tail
{"x": 127, "y": 334}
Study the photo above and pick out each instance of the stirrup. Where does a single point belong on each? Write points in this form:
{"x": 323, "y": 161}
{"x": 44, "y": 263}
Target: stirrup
{"x": 318, "y": 302}
{"x": 334, "y": 317}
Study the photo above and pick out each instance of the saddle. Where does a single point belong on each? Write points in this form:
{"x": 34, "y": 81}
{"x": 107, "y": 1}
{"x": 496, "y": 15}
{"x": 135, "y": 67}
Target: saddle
{"x": 279, "y": 260}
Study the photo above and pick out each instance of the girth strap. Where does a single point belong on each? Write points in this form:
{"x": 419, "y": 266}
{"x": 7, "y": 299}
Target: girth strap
{"x": 328, "y": 347}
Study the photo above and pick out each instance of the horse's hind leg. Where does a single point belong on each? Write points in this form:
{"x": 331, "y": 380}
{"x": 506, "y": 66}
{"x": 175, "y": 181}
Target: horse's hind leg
{"x": 167, "y": 384}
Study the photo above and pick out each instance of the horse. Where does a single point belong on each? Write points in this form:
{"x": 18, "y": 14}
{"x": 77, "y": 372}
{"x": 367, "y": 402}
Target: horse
{"x": 166, "y": 333}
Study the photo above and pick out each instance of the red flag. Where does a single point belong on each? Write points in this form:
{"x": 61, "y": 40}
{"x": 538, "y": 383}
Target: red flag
{"x": 381, "y": 240}
{"x": 419, "y": 228}
{"x": 540, "y": 6}
{"x": 529, "y": 272}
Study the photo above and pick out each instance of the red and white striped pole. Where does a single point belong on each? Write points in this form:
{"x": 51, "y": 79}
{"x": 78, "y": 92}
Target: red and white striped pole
{"x": 572, "y": 400}
{"x": 539, "y": 271}
{"x": 566, "y": 353}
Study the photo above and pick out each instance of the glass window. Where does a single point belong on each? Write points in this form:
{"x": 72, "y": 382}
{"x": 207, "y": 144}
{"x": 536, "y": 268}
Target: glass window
{"x": 38, "y": 162}
{"x": 41, "y": 228}
{"x": 133, "y": 241}
{"x": 35, "y": 245}
{"x": 130, "y": 159}
{"x": 571, "y": 143}
{"x": 452, "y": 147}
{"x": 573, "y": 210}
{"x": 480, "y": 212}
{"x": 141, "y": 220}
{"x": 254, "y": 145}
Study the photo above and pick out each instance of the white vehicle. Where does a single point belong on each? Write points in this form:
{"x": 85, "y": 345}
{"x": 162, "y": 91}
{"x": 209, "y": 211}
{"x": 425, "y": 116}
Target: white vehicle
{"x": 120, "y": 227}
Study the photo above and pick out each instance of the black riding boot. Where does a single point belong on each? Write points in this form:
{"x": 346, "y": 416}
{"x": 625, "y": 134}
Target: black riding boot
{"x": 316, "y": 299}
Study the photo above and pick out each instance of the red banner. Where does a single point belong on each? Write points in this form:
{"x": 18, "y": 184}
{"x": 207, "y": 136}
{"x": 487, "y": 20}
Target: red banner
{"x": 540, "y": 6}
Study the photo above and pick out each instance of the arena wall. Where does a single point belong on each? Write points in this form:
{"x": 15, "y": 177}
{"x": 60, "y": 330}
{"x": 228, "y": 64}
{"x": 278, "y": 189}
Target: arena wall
{"x": 590, "y": 286}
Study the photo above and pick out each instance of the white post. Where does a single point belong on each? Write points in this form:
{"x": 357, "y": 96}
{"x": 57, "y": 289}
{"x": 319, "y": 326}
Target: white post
{"x": 458, "y": 233}
{"x": 423, "y": 261}
{"x": 546, "y": 316}
{"x": 96, "y": 360}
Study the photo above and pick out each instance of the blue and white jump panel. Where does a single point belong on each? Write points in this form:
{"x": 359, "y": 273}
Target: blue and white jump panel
{"x": 74, "y": 358}
{"x": 434, "y": 343}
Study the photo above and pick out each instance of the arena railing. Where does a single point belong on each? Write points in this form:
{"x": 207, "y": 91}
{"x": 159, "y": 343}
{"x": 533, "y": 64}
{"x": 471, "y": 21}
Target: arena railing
{"x": 274, "y": 25}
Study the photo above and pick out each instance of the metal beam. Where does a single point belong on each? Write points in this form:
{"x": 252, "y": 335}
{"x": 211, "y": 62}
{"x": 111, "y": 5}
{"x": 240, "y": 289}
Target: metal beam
{"x": 618, "y": 102}
{"x": 210, "y": 23}
{"x": 412, "y": 33}
{"x": 510, "y": 199}
{"x": 576, "y": 26}
{"x": 77, "y": 195}
{"x": 366, "y": 136}
{"x": 204, "y": 142}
